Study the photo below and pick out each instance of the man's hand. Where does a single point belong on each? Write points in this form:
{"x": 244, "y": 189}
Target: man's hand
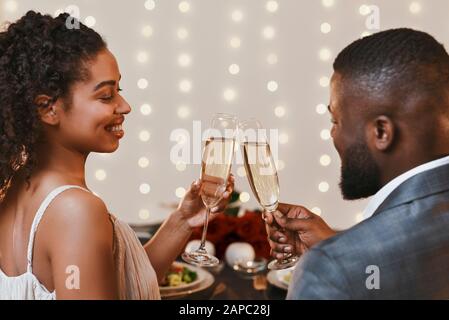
{"x": 293, "y": 229}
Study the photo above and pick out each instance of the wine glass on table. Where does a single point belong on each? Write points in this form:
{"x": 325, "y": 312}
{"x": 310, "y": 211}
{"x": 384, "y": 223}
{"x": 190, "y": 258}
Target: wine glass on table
{"x": 216, "y": 164}
{"x": 262, "y": 176}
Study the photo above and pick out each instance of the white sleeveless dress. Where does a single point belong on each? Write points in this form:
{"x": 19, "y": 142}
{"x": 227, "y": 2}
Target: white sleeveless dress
{"x": 136, "y": 277}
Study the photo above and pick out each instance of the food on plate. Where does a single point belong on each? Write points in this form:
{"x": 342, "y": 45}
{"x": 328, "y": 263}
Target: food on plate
{"x": 178, "y": 275}
{"x": 287, "y": 277}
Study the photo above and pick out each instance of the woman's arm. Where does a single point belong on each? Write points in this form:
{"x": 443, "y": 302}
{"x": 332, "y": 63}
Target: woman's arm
{"x": 167, "y": 243}
{"x": 172, "y": 236}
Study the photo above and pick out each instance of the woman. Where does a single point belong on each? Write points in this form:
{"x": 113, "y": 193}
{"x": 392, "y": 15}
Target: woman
{"x": 60, "y": 100}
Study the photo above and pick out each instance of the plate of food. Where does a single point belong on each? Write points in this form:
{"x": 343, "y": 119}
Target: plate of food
{"x": 183, "y": 279}
{"x": 280, "y": 278}
{"x": 285, "y": 276}
{"x": 181, "y": 276}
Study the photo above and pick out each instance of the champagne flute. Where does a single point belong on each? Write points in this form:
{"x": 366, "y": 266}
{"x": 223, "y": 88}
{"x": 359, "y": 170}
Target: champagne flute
{"x": 216, "y": 164}
{"x": 262, "y": 176}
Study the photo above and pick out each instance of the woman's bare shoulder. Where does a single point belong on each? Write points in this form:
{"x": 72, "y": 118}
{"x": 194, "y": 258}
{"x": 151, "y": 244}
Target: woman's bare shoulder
{"x": 76, "y": 214}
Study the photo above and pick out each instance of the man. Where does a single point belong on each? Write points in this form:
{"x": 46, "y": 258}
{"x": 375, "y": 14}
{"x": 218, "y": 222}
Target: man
{"x": 390, "y": 125}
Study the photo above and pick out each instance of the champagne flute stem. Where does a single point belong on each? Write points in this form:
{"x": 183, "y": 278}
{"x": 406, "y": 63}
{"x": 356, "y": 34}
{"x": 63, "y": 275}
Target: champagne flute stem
{"x": 203, "y": 236}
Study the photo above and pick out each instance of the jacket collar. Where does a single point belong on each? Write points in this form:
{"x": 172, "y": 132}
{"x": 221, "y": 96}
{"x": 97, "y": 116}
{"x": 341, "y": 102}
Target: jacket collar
{"x": 419, "y": 186}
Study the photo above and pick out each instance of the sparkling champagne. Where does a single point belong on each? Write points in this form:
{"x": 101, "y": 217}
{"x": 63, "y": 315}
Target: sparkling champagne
{"x": 216, "y": 166}
{"x": 262, "y": 174}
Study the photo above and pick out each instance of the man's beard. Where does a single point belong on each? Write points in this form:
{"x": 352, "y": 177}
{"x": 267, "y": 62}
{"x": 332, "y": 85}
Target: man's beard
{"x": 360, "y": 174}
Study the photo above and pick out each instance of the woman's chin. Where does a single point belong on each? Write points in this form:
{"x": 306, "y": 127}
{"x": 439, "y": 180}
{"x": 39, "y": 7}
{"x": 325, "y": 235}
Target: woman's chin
{"x": 108, "y": 147}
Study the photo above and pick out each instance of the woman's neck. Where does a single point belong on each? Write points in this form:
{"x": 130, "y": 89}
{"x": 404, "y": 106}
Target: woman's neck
{"x": 64, "y": 162}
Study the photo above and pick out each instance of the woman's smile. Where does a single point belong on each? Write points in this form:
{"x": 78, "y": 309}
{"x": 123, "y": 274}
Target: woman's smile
{"x": 116, "y": 128}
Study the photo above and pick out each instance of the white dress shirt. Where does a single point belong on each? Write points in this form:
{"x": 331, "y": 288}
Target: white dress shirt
{"x": 387, "y": 189}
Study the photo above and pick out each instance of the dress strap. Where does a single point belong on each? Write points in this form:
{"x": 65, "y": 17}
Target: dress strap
{"x": 37, "y": 218}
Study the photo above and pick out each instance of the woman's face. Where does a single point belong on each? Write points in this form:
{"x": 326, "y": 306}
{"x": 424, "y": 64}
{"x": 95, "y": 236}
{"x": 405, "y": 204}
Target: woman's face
{"x": 93, "y": 121}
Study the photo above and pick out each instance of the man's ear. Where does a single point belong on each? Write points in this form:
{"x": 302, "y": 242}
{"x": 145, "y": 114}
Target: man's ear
{"x": 47, "y": 109}
{"x": 381, "y": 133}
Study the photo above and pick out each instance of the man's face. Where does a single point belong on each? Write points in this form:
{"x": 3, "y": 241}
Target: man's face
{"x": 360, "y": 174}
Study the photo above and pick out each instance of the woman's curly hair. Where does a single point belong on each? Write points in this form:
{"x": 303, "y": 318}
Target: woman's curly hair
{"x": 39, "y": 54}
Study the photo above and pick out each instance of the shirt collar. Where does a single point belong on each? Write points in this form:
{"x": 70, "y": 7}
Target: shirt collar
{"x": 386, "y": 190}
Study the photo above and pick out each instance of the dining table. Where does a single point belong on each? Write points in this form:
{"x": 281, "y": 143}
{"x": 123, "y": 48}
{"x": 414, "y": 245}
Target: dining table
{"x": 231, "y": 285}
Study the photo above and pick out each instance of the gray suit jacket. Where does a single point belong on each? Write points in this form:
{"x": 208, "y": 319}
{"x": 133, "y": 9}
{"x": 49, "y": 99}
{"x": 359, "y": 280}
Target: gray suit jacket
{"x": 401, "y": 252}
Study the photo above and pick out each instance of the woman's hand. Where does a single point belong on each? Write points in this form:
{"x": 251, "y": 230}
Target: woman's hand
{"x": 191, "y": 207}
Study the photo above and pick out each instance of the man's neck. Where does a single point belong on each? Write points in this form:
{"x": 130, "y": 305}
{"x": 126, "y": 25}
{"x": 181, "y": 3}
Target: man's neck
{"x": 407, "y": 164}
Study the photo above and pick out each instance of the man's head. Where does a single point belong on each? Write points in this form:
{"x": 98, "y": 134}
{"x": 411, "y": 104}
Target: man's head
{"x": 389, "y": 106}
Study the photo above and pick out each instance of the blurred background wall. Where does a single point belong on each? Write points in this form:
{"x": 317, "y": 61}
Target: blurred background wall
{"x": 183, "y": 61}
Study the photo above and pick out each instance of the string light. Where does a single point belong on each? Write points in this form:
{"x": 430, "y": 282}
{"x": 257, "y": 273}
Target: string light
{"x": 237, "y": 15}
{"x": 272, "y": 86}
{"x": 142, "y": 57}
{"x": 11, "y": 6}
{"x": 364, "y": 10}
{"x": 180, "y": 192}
{"x": 183, "y": 112}
{"x": 321, "y": 108}
{"x": 325, "y": 160}
{"x": 181, "y": 166}
{"x": 325, "y": 134}
{"x": 325, "y": 54}
{"x": 142, "y": 83}
{"x": 415, "y": 7}
{"x": 323, "y": 186}
{"x": 145, "y": 109}
{"x": 272, "y": 6}
{"x": 90, "y": 21}
{"x": 184, "y": 6}
{"x": 328, "y": 3}
{"x": 144, "y": 214}
{"x": 184, "y": 60}
{"x": 234, "y": 69}
{"x": 147, "y": 31}
{"x": 268, "y": 32}
{"x": 100, "y": 175}
{"x": 185, "y": 86}
{"x": 244, "y": 197}
{"x": 229, "y": 95}
{"x": 143, "y": 162}
{"x": 150, "y": 5}
{"x": 144, "y": 136}
{"x": 235, "y": 42}
{"x": 279, "y": 111}
{"x": 283, "y": 138}
{"x": 144, "y": 188}
{"x": 324, "y": 82}
{"x": 325, "y": 27}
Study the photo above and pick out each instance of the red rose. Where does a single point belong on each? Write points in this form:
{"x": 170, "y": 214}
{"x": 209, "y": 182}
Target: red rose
{"x": 225, "y": 229}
